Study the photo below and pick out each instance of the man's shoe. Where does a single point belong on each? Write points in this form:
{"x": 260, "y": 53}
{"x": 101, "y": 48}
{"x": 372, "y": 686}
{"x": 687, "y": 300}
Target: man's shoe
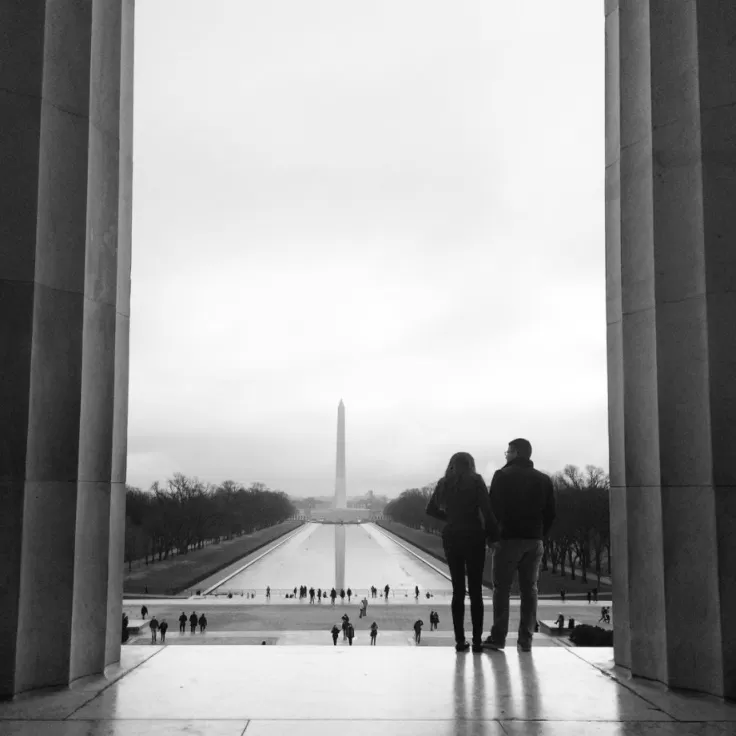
{"x": 491, "y": 643}
{"x": 463, "y": 647}
{"x": 524, "y": 647}
{"x": 477, "y": 648}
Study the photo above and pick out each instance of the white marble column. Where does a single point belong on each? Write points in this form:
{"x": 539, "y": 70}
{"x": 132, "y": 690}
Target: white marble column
{"x": 65, "y": 71}
{"x": 671, "y": 295}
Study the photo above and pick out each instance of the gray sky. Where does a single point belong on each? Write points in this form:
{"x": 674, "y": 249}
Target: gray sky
{"x": 397, "y": 203}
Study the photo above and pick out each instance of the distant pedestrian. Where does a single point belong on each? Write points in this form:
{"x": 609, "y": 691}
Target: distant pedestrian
{"x": 436, "y": 620}
{"x": 333, "y": 595}
{"x": 144, "y": 612}
{"x": 202, "y": 623}
{"x": 416, "y": 592}
{"x": 311, "y": 595}
{"x": 335, "y": 633}
{"x": 182, "y": 623}
{"x": 351, "y": 634}
{"x": 193, "y": 621}
{"x": 350, "y": 592}
{"x": 386, "y": 590}
{"x": 345, "y": 622}
{"x": 294, "y": 592}
{"x": 590, "y": 596}
{"x": 595, "y": 595}
{"x": 563, "y": 593}
{"x": 268, "y": 592}
{"x": 163, "y": 627}
{"x": 342, "y": 595}
{"x": 319, "y": 595}
{"x": 418, "y": 630}
{"x": 374, "y": 633}
{"x": 154, "y": 629}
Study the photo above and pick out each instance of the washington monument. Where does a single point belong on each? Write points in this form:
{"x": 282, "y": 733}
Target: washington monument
{"x": 340, "y": 486}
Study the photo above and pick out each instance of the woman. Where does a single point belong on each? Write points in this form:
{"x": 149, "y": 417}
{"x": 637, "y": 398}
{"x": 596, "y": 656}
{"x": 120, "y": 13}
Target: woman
{"x": 461, "y": 499}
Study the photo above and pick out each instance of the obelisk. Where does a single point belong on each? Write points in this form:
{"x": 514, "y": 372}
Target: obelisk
{"x": 340, "y": 485}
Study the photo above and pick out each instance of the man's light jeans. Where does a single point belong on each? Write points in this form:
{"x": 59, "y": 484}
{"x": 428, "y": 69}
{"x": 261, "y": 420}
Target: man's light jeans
{"x": 510, "y": 555}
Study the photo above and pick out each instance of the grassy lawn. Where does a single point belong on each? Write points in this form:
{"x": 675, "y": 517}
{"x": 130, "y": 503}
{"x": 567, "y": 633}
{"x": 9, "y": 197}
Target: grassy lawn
{"x": 549, "y": 584}
{"x": 178, "y": 573}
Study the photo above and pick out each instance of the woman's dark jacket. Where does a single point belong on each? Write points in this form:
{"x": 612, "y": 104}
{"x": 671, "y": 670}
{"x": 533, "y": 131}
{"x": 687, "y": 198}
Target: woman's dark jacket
{"x": 465, "y": 506}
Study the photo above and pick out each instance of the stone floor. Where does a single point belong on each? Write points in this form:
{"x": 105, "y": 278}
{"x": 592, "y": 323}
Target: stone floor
{"x": 412, "y": 691}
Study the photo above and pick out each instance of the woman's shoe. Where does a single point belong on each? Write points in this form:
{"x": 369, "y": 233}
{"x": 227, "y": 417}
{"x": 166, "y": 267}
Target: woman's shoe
{"x": 463, "y": 647}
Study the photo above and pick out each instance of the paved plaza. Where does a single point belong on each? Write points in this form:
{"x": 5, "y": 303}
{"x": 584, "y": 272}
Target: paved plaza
{"x": 394, "y": 691}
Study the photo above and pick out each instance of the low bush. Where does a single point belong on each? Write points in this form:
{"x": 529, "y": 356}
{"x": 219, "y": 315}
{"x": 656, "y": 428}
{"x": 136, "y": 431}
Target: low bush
{"x": 585, "y": 635}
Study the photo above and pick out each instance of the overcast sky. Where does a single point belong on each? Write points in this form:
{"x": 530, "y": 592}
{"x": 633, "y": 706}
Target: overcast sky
{"x": 398, "y": 203}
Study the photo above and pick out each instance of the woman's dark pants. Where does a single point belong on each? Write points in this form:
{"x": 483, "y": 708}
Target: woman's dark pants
{"x": 466, "y": 554}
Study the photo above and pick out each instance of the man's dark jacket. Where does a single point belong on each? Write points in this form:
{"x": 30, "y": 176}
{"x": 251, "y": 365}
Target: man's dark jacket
{"x": 522, "y": 500}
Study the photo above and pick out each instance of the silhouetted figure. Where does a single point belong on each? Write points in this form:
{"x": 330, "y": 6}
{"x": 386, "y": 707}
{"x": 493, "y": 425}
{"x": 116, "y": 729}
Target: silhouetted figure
{"x": 146, "y": 590}
{"x": 163, "y": 627}
{"x": 333, "y": 595}
{"x": 351, "y": 634}
{"x": 311, "y": 595}
{"x": 560, "y": 621}
{"x": 144, "y": 612}
{"x": 350, "y": 592}
{"x": 590, "y": 596}
{"x": 193, "y": 620}
{"x": 605, "y": 615}
{"x": 294, "y": 592}
{"x": 374, "y": 591}
{"x": 345, "y": 622}
{"x": 461, "y": 500}
{"x": 571, "y": 623}
{"x": 418, "y": 630}
{"x": 374, "y": 633}
{"x": 154, "y": 629}
{"x": 335, "y": 633}
{"x": 342, "y": 595}
{"x": 595, "y": 595}
{"x": 125, "y": 632}
{"x": 416, "y": 592}
{"x": 268, "y": 593}
{"x": 202, "y": 623}
{"x": 523, "y": 501}
{"x": 319, "y": 595}
{"x": 386, "y": 590}
{"x": 182, "y": 623}
{"x": 563, "y": 593}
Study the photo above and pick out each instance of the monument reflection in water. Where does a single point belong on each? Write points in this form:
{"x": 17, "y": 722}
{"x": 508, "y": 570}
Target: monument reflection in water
{"x": 339, "y": 556}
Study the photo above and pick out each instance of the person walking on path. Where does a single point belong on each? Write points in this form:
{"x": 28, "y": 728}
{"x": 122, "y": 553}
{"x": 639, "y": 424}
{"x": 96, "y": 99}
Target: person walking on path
{"x": 386, "y": 590}
{"x": 374, "y": 633}
{"x": 333, "y": 595}
{"x": 418, "y": 630}
{"x": 345, "y": 622}
{"x": 335, "y": 633}
{"x": 590, "y": 596}
{"x": 461, "y": 500}
{"x": 154, "y": 629}
{"x": 416, "y": 593}
{"x": 350, "y": 592}
{"x": 350, "y": 633}
{"x": 563, "y": 593}
{"x": 182, "y": 623}
{"x": 202, "y": 623}
{"x": 595, "y": 595}
{"x": 162, "y": 627}
{"x": 193, "y": 620}
{"x": 342, "y": 596}
{"x": 268, "y": 592}
{"x": 311, "y": 595}
{"x": 523, "y": 500}
{"x": 144, "y": 611}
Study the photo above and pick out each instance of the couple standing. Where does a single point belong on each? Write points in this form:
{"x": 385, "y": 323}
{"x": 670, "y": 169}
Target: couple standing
{"x": 513, "y": 519}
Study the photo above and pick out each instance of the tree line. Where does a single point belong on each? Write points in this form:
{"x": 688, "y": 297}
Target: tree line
{"x": 186, "y": 513}
{"x": 579, "y": 541}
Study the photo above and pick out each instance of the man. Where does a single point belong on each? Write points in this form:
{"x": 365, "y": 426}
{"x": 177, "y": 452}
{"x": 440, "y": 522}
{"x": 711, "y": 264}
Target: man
{"x": 523, "y": 501}
{"x": 418, "y": 630}
{"x": 351, "y": 634}
{"x": 154, "y": 628}
{"x": 162, "y": 627}
{"x": 335, "y": 633}
{"x": 182, "y": 623}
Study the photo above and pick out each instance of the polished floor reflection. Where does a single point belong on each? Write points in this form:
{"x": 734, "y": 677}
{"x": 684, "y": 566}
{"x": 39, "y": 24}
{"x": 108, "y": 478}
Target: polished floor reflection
{"x": 231, "y": 690}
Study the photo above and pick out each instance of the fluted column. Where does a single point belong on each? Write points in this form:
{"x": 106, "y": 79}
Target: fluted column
{"x": 671, "y": 298}
{"x": 65, "y": 70}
